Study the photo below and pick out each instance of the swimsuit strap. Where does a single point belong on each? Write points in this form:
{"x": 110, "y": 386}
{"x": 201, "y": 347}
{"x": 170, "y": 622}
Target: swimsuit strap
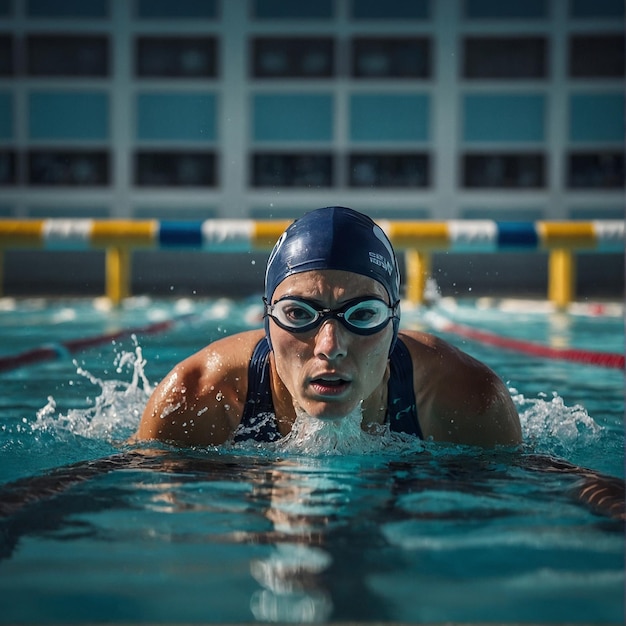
{"x": 258, "y": 421}
{"x": 401, "y": 406}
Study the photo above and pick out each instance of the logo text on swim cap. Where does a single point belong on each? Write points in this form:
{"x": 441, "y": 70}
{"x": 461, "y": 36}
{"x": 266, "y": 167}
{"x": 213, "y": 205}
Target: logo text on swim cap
{"x": 381, "y": 261}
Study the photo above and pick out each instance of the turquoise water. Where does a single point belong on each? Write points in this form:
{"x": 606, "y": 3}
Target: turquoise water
{"x": 92, "y": 530}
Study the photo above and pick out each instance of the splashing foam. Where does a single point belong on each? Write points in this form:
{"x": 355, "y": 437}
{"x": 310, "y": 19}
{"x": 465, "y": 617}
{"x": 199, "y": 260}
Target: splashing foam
{"x": 548, "y": 425}
{"x": 116, "y": 411}
{"x": 312, "y": 436}
{"x": 553, "y": 424}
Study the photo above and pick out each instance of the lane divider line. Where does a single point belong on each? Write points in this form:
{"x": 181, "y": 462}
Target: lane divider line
{"x": 61, "y": 349}
{"x": 577, "y": 355}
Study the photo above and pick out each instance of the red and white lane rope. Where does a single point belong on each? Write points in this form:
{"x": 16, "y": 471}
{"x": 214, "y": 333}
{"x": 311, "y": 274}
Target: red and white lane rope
{"x": 576, "y": 355}
{"x": 60, "y": 349}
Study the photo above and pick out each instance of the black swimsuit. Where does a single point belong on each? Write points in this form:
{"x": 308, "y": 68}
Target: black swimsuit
{"x": 258, "y": 421}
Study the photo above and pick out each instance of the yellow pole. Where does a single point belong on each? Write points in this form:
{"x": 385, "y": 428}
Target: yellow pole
{"x": 561, "y": 277}
{"x": 417, "y": 271}
{"x": 117, "y": 273}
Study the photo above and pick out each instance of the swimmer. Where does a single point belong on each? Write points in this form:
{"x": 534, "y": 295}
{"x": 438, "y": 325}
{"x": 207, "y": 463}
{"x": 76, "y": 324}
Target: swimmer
{"x": 331, "y": 345}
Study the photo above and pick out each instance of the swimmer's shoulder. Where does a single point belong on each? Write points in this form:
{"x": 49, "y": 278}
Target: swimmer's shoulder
{"x": 459, "y": 398}
{"x": 200, "y": 402}
{"x": 224, "y": 361}
{"x": 434, "y": 355}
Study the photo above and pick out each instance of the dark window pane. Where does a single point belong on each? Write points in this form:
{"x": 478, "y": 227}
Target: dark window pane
{"x": 505, "y": 9}
{"x": 597, "y": 8}
{"x": 177, "y": 9}
{"x": 389, "y": 170}
{"x": 390, "y": 9}
{"x": 67, "y": 8}
{"x": 382, "y": 57}
{"x": 68, "y": 168}
{"x": 7, "y": 61}
{"x": 290, "y": 57}
{"x": 292, "y": 9}
{"x": 505, "y": 57}
{"x": 6, "y": 8}
{"x": 292, "y": 170}
{"x": 175, "y": 169}
{"x": 68, "y": 55}
{"x": 8, "y": 167}
{"x": 596, "y": 170}
{"x": 600, "y": 56}
{"x": 173, "y": 57}
{"x": 504, "y": 171}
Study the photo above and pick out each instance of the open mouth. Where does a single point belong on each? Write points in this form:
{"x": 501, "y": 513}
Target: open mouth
{"x": 329, "y": 386}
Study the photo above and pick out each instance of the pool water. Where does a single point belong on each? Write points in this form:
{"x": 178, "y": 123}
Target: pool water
{"x": 93, "y": 530}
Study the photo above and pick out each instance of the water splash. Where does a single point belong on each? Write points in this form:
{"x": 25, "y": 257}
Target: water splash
{"x": 548, "y": 425}
{"x": 115, "y": 412}
{"x": 312, "y": 436}
{"x": 553, "y": 426}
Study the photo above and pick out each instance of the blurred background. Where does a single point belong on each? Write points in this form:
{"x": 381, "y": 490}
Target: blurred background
{"x": 404, "y": 109}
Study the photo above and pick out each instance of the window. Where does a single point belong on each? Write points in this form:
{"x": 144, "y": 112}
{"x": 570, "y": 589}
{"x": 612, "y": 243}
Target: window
{"x": 8, "y": 167}
{"x": 72, "y": 115}
{"x": 176, "y": 57}
{"x": 597, "y": 8}
{"x": 177, "y": 9}
{"x": 7, "y": 60}
{"x": 292, "y": 170}
{"x": 6, "y": 115}
{"x": 503, "y": 117}
{"x": 503, "y": 171}
{"x": 68, "y": 168}
{"x": 293, "y": 117}
{"x": 382, "y": 117}
{"x": 505, "y": 57}
{"x": 67, "y": 55}
{"x": 596, "y": 170}
{"x": 291, "y": 57}
{"x": 175, "y": 169}
{"x": 290, "y": 9}
{"x": 596, "y": 56}
{"x": 176, "y": 116}
{"x": 389, "y": 170}
{"x": 497, "y": 9}
{"x": 391, "y": 57}
{"x": 390, "y": 9}
{"x": 596, "y": 117}
{"x": 67, "y": 8}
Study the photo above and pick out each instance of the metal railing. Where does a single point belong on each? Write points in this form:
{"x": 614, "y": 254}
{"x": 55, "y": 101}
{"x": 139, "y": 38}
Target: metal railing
{"x": 419, "y": 239}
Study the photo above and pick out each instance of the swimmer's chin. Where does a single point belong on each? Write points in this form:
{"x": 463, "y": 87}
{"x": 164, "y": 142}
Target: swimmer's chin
{"x": 327, "y": 413}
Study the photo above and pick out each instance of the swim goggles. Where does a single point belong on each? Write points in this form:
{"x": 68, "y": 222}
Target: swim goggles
{"x": 363, "y": 316}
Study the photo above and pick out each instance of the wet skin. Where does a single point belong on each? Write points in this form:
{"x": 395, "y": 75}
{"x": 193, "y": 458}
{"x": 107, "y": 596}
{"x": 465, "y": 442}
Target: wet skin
{"x": 329, "y": 371}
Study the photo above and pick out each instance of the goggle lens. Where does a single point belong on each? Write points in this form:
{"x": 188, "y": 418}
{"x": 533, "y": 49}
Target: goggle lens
{"x": 363, "y": 316}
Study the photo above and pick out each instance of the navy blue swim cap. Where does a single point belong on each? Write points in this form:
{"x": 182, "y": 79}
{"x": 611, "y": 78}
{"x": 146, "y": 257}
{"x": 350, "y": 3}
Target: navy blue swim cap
{"x": 334, "y": 238}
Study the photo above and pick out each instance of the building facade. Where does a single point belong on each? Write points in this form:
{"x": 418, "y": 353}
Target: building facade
{"x": 417, "y": 109}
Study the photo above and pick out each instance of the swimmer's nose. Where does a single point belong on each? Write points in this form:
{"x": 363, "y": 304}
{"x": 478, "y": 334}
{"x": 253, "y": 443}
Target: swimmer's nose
{"x": 331, "y": 340}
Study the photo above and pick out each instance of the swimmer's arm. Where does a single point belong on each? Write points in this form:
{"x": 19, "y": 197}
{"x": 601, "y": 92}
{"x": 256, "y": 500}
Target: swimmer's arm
{"x": 199, "y": 402}
{"x": 602, "y": 494}
{"x": 182, "y": 410}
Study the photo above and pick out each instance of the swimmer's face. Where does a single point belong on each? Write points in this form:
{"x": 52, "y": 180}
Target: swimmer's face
{"x": 329, "y": 370}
